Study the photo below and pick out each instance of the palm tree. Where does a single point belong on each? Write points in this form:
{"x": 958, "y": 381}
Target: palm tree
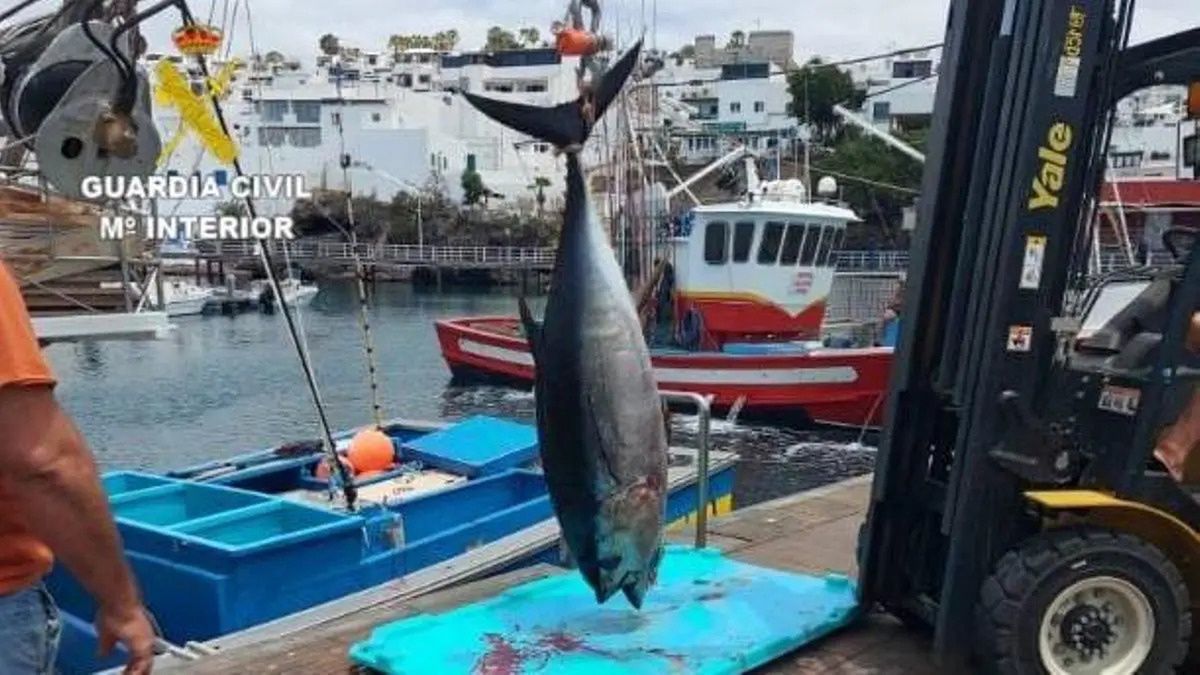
{"x": 529, "y": 36}
{"x": 538, "y": 186}
{"x": 329, "y": 44}
{"x": 399, "y": 43}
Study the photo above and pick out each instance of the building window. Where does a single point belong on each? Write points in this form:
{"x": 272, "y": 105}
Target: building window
{"x": 376, "y": 117}
{"x": 768, "y": 250}
{"x": 273, "y": 111}
{"x": 791, "y": 244}
{"x": 743, "y": 238}
{"x": 535, "y": 87}
{"x": 809, "y": 254}
{"x": 424, "y": 79}
{"x": 1125, "y": 160}
{"x": 299, "y": 137}
{"x": 716, "y": 242}
{"x": 910, "y": 69}
{"x": 735, "y": 107}
{"x": 336, "y": 118}
{"x": 307, "y": 112}
{"x": 881, "y": 111}
{"x": 760, "y": 106}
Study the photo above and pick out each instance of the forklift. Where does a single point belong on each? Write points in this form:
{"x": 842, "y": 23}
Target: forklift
{"x": 1017, "y": 510}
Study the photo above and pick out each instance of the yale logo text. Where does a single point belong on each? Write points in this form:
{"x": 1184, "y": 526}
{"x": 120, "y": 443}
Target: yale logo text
{"x": 1051, "y": 176}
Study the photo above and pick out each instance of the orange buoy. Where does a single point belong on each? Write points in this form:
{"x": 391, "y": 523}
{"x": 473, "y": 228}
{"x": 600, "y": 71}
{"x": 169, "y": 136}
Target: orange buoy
{"x": 321, "y": 472}
{"x": 371, "y": 450}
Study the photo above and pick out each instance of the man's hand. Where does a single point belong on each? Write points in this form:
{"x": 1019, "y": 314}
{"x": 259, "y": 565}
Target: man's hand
{"x": 129, "y": 626}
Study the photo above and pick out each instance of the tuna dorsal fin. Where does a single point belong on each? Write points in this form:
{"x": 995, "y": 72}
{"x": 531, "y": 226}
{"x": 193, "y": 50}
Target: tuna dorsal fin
{"x": 562, "y": 125}
{"x": 533, "y": 329}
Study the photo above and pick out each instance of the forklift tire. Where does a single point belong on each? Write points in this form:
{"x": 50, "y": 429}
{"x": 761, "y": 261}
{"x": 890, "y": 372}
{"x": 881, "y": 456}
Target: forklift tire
{"x": 1084, "y": 600}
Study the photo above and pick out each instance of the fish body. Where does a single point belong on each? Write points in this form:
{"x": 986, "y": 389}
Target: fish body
{"x": 600, "y": 421}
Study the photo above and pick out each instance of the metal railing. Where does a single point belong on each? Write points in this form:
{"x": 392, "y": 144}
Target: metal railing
{"x": 703, "y": 405}
{"x": 860, "y": 261}
{"x": 394, "y": 253}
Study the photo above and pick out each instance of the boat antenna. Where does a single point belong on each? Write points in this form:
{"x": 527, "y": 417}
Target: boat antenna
{"x": 349, "y": 491}
{"x": 359, "y": 274}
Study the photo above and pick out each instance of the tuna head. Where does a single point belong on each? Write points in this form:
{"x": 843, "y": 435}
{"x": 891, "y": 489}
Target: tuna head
{"x": 628, "y": 542}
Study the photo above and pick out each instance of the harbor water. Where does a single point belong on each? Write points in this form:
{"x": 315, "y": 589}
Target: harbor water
{"x": 218, "y": 386}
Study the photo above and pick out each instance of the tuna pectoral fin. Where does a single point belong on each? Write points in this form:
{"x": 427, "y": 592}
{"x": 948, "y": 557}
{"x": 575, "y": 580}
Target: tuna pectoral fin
{"x": 564, "y": 124}
{"x": 533, "y": 329}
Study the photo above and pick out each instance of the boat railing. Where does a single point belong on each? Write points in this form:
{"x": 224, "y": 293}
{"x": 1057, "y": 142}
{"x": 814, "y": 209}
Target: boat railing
{"x": 703, "y": 406}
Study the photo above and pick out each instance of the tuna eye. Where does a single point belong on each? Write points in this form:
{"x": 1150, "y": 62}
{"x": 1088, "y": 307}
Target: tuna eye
{"x": 71, "y": 147}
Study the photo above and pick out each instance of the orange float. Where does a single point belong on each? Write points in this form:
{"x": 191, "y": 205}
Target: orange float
{"x": 371, "y": 450}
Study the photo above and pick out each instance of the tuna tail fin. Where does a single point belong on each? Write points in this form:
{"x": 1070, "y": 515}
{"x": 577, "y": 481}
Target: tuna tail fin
{"x": 533, "y": 329}
{"x": 563, "y": 125}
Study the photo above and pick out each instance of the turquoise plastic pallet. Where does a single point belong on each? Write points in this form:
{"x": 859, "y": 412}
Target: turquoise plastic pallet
{"x": 707, "y": 615}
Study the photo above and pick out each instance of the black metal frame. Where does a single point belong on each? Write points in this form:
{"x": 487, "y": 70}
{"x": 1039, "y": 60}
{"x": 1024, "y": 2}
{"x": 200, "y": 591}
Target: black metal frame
{"x": 962, "y": 440}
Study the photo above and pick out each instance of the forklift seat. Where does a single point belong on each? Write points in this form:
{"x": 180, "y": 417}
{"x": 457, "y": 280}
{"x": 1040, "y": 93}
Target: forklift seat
{"x": 1140, "y": 322}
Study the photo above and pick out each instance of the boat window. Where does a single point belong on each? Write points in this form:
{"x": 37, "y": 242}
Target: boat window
{"x": 826, "y": 248}
{"x": 839, "y": 237}
{"x": 743, "y": 237}
{"x": 716, "y": 242}
{"x": 768, "y": 250}
{"x": 809, "y": 254}
{"x": 791, "y": 244}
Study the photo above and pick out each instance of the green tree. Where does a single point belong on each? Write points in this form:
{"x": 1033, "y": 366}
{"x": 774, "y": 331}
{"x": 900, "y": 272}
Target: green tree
{"x": 737, "y": 40}
{"x": 815, "y": 88}
{"x": 232, "y": 207}
{"x": 275, "y": 57}
{"x": 875, "y": 179}
{"x": 445, "y": 40}
{"x": 329, "y": 44}
{"x": 499, "y": 39}
{"x": 473, "y": 187}
{"x": 530, "y": 37}
{"x": 399, "y": 43}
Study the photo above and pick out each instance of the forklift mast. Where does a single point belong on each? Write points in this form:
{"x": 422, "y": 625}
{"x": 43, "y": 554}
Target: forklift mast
{"x": 1015, "y": 159}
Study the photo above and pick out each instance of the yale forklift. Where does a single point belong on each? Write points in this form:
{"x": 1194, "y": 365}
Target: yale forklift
{"x": 1017, "y": 508}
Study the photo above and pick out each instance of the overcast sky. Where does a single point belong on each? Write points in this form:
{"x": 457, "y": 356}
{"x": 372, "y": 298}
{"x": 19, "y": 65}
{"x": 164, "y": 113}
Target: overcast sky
{"x": 834, "y": 28}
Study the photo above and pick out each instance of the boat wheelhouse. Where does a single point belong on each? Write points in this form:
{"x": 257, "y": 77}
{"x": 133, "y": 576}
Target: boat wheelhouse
{"x": 759, "y": 270}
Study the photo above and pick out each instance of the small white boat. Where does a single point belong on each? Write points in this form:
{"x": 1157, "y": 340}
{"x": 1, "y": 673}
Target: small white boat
{"x": 295, "y": 292}
{"x": 183, "y": 298}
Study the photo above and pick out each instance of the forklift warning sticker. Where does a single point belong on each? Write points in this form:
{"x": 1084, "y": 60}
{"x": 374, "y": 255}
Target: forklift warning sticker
{"x": 1067, "y": 79}
{"x": 1120, "y": 400}
{"x": 1031, "y": 268}
{"x": 1020, "y": 338}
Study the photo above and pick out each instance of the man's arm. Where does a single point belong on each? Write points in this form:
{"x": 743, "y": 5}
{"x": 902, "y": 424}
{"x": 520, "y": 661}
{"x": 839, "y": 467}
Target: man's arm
{"x": 47, "y": 467}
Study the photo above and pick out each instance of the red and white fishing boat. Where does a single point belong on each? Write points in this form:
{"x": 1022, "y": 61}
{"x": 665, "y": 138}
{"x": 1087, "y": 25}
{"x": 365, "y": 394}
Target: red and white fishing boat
{"x": 746, "y": 292}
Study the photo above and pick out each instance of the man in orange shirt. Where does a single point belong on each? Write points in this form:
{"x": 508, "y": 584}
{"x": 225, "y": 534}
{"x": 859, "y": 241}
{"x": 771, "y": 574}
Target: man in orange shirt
{"x": 51, "y": 503}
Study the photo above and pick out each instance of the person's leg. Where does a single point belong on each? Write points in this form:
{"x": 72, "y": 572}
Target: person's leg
{"x": 29, "y": 632}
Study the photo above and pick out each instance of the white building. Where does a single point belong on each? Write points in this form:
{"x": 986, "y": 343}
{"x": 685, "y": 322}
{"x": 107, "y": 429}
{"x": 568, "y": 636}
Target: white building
{"x": 900, "y": 90}
{"x": 735, "y": 103}
{"x": 397, "y": 118}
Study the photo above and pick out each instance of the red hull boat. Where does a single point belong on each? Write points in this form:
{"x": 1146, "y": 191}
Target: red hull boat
{"x": 832, "y": 386}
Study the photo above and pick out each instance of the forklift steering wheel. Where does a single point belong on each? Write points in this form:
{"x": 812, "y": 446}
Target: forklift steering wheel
{"x": 1171, "y": 240}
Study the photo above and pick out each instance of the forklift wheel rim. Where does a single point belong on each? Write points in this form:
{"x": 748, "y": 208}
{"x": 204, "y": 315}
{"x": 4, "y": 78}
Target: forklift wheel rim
{"x": 1117, "y": 599}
